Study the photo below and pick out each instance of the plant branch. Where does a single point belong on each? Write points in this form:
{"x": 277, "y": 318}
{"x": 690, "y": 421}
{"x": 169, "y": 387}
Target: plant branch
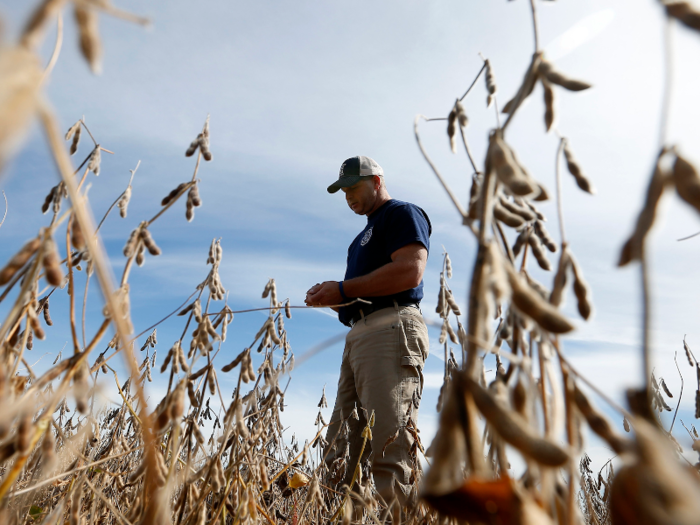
{"x": 483, "y": 68}
{"x": 560, "y": 202}
{"x": 460, "y": 210}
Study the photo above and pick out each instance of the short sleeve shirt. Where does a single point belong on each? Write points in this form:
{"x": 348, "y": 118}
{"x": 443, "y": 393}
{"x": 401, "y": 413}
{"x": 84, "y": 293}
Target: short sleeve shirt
{"x": 392, "y": 226}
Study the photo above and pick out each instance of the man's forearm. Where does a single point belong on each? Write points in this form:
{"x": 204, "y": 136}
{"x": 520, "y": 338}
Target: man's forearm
{"x": 389, "y": 279}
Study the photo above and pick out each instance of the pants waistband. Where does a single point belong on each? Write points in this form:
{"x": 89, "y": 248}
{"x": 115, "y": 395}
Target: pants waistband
{"x": 371, "y": 308}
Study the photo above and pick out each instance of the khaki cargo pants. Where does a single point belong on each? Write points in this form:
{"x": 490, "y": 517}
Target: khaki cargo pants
{"x": 381, "y": 371}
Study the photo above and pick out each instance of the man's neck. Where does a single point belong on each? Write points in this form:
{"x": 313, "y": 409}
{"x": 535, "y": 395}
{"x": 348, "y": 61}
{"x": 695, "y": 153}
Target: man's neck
{"x": 381, "y": 200}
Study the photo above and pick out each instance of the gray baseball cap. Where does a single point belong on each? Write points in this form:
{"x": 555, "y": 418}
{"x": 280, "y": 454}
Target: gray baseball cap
{"x": 352, "y": 171}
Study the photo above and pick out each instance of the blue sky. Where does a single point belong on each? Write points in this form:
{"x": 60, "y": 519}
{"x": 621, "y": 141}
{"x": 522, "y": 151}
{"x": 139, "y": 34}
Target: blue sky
{"x": 295, "y": 88}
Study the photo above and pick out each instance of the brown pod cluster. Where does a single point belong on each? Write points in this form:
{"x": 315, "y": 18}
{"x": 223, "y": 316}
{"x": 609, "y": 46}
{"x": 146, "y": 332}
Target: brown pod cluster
{"x": 19, "y": 260}
{"x": 201, "y": 143}
{"x": 204, "y": 141}
{"x": 48, "y": 200}
{"x": 90, "y": 43}
{"x": 148, "y": 241}
{"x": 526, "y": 87}
{"x": 74, "y": 133}
{"x": 141, "y": 255}
{"x": 514, "y": 430}
{"x": 33, "y": 31}
{"x": 490, "y": 83}
{"x": 51, "y": 262}
{"x": 95, "y": 160}
{"x": 504, "y": 215}
{"x": 448, "y": 266}
{"x": 215, "y": 286}
{"x": 77, "y": 238}
{"x": 510, "y": 172}
{"x": 124, "y": 201}
{"x": 168, "y": 198}
{"x": 520, "y": 241}
{"x": 132, "y": 242}
{"x": 573, "y": 166}
{"x": 581, "y": 290}
{"x": 457, "y": 116}
{"x": 215, "y": 252}
{"x": 548, "y": 72}
{"x": 192, "y": 147}
{"x": 517, "y": 208}
{"x": 538, "y": 252}
{"x": 531, "y": 304}
{"x": 35, "y": 325}
{"x": 560, "y": 278}
{"x": 684, "y": 13}
{"x": 193, "y": 201}
{"x": 632, "y": 249}
{"x": 687, "y": 182}
{"x": 545, "y": 237}
{"x": 177, "y": 355}
{"x": 44, "y": 307}
{"x": 548, "y": 104}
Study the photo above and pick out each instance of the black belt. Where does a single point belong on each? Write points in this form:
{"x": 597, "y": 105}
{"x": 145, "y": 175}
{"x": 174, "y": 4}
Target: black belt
{"x": 371, "y": 308}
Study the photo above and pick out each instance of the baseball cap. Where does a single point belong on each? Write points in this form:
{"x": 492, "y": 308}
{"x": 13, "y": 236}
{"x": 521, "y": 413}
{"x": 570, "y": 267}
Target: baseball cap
{"x": 352, "y": 171}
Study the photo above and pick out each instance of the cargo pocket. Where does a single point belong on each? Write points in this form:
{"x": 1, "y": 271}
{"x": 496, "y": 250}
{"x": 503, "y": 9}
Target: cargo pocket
{"x": 412, "y": 357}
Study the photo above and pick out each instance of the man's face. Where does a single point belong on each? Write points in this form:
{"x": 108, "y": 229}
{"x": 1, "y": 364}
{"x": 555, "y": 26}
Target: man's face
{"x": 362, "y": 196}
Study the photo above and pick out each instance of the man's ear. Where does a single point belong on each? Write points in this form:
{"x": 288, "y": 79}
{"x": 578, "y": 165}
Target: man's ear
{"x": 377, "y": 182}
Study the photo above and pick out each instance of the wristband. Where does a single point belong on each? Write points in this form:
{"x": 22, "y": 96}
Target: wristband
{"x": 342, "y": 292}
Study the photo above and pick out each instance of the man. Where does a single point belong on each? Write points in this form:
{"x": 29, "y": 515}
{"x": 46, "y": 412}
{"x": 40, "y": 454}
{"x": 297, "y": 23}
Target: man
{"x": 387, "y": 345}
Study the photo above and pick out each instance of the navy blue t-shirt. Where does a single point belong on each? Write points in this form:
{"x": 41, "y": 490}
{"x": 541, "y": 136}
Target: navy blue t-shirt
{"x": 392, "y": 226}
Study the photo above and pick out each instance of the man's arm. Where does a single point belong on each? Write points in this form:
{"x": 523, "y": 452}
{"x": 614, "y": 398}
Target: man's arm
{"x": 405, "y": 271}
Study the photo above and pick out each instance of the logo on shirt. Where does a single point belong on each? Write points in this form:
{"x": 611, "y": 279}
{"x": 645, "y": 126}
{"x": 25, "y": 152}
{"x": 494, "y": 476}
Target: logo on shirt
{"x": 367, "y": 237}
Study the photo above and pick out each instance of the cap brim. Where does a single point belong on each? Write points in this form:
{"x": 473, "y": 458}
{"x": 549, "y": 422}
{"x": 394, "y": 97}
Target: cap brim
{"x": 344, "y": 183}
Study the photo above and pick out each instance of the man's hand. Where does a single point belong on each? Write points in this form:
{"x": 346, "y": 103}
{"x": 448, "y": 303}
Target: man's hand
{"x": 324, "y": 294}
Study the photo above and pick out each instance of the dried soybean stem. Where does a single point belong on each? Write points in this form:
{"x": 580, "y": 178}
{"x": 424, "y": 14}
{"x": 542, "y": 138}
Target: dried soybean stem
{"x": 460, "y": 210}
{"x": 56, "y": 48}
{"x": 534, "y": 25}
{"x": 680, "y": 396}
{"x": 506, "y": 246}
{"x": 82, "y": 120}
{"x": 23, "y": 343}
{"x": 560, "y": 202}
{"x": 4, "y": 216}
{"x": 646, "y": 318}
{"x": 483, "y": 68}
{"x": 543, "y": 390}
{"x": 466, "y": 147}
{"x": 85, "y": 296}
{"x": 571, "y": 439}
{"x": 668, "y": 81}
{"x": 71, "y": 289}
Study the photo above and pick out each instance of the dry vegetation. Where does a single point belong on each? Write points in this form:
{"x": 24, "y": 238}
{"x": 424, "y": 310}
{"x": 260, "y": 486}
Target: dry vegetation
{"x": 65, "y": 458}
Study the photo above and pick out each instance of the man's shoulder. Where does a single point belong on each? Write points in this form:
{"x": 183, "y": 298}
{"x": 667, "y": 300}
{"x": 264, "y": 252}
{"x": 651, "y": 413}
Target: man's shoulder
{"x": 397, "y": 207}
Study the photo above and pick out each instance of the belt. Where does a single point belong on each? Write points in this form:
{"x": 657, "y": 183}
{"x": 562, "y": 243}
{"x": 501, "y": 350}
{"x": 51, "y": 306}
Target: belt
{"x": 371, "y": 308}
